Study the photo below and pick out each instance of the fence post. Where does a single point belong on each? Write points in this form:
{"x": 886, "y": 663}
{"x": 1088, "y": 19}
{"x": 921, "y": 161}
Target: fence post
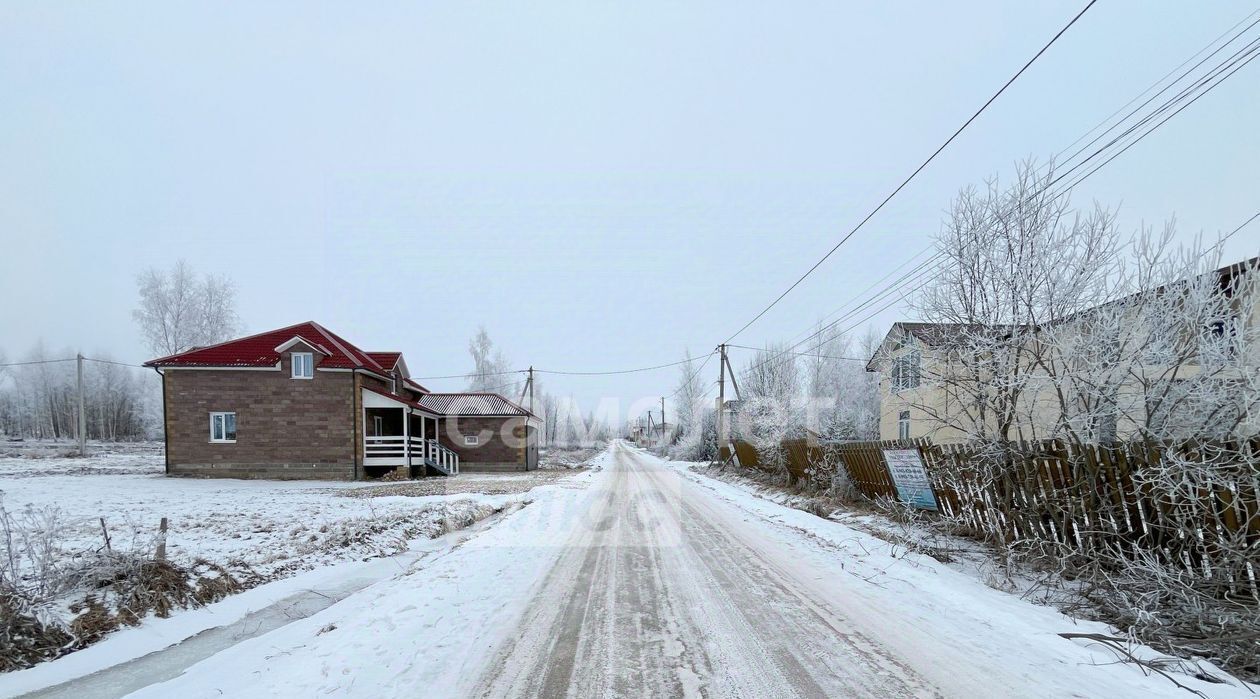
{"x": 161, "y": 547}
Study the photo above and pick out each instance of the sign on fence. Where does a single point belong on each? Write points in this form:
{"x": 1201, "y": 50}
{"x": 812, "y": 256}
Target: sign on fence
{"x": 908, "y": 474}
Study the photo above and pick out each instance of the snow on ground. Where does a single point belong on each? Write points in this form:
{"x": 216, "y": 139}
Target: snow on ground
{"x": 484, "y": 483}
{"x": 961, "y": 628}
{"x": 272, "y": 529}
{"x": 559, "y": 458}
{"x": 437, "y": 627}
{"x": 425, "y": 631}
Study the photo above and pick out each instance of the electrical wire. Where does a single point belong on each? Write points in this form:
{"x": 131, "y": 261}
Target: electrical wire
{"x": 805, "y": 354}
{"x": 1236, "y": 61}
{"x": 612, "y": 372}
{"x": 914, "y": 174}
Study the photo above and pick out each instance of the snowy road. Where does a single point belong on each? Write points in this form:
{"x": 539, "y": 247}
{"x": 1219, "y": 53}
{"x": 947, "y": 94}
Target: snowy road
{"x": 661, "y": 596}
{"x": 644, "y": 578}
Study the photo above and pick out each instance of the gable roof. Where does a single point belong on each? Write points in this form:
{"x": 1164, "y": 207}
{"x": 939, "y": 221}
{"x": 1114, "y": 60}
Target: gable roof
{"x": 299, "y": 340}
{"x": 260, "y": 351}
{"x": 387, "y": 360}
{"x": 400, "y": 399}
{"x": 471, "y": 405}
{"x": 930, "y": 334}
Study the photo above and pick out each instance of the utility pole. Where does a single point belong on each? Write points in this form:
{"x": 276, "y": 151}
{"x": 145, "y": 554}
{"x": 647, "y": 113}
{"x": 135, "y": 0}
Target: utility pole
{"x": 82, "y": 418}
{"x": 662, "y": 418}
{"x": 530, "y": 383}
{"x": 721, "y": 401}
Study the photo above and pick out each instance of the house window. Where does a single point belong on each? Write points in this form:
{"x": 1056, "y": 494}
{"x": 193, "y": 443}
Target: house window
{"x": 471, "y": 440}
{"x": 222, "y": 427}
{"x": 903, "y": 425}
{"x": 378, "y": 425}
{"x": 303, "y": 365}
{"x": 905, "y": 371}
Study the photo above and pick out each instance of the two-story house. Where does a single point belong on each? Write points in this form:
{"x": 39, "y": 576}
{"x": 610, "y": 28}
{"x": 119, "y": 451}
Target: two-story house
{"x": 303, "y": 402}
{"x": 1109, "y": 372}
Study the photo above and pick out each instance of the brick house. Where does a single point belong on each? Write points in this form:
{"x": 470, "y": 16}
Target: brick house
{"x": 302, "y": 402}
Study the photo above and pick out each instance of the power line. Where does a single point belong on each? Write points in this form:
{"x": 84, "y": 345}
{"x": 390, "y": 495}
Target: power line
{"x": 612, "y": 372}
{"x": 1250, "y": 48}
{"x": 110, "y": 361}
{"x": 1213, "y": 73}
{"x": 914, "y": 174}
{"x": 39, "y": 361}
{"x": 71, "y": 359}
{"x": 1157, "y": 83}
{"x": 467, "y": 374}
{"x": 803, "y": 354}
{"x": 693, "y": 374}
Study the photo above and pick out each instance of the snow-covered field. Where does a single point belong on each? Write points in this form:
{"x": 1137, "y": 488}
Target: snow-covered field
{"x": 262, "y": 532}
{"x": 648, "y": 577}
{"x": 274, "y": 527}
{"x": 634, "y": 576}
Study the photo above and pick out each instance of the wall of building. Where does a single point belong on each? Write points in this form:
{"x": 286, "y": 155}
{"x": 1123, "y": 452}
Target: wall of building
{"x": 494, "y": 452}
{"x": 285, "y": 427}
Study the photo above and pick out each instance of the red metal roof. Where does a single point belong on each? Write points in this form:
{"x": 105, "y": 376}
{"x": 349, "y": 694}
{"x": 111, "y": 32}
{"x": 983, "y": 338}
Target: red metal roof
{"x": 416, "y": 386}
{"x": 385, "y": 359}
{"x": 400, "y": 399}
{"x": 260, "y": 350}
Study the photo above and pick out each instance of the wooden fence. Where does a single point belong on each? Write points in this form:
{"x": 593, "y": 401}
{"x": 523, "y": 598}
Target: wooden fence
{"x": 1087, "y": 497}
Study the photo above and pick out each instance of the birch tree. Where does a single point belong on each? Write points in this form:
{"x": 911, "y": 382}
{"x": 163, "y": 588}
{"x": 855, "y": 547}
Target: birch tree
{"x": 180, "y": 310}
{"x": 843, "y": 396}
{"x": 491, "y": 368}
{"x": 1014, "y": 259}
{"x": 772, "y": 408}
{"x": 696, "y": 418}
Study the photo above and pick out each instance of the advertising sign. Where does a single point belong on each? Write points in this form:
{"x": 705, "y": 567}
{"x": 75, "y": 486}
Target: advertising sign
{"x": 906, "y": 467}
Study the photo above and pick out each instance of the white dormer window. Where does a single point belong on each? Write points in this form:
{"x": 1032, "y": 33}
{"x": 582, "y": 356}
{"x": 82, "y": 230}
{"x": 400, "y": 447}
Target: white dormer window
{"x": 303, "y": 365}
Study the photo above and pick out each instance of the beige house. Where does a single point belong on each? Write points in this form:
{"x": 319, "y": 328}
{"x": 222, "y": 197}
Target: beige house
{"x": 1145, "y": 375}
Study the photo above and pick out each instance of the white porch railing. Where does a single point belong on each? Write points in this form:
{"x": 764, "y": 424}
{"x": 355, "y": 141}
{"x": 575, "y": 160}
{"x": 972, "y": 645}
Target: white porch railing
{"x": 441, "y": 457}
{"x": 392, "y": 450}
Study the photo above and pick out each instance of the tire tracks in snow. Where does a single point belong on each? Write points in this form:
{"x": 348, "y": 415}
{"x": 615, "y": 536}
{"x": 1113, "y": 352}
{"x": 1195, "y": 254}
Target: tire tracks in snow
{"x": 660, "y": 594}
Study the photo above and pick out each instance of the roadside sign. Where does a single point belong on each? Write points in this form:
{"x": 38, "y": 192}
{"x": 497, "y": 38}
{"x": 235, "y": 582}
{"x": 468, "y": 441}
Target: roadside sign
{"x": 908, "y": 474}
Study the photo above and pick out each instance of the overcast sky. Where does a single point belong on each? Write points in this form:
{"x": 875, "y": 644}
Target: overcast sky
{"x": 602, "y": 185}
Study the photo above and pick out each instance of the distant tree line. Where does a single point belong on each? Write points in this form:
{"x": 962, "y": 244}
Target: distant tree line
{"x": 563, "y": 422}
{"x": 178, "y": 309}
{"x": 41, "y": 401}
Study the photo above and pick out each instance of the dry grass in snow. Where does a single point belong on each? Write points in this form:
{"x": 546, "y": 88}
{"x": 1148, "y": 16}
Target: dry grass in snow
{"x": 80, "y": 538}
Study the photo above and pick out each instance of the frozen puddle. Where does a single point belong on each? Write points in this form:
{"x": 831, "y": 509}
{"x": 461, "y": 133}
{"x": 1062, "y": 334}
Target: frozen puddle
{"x": 169, "y": 663}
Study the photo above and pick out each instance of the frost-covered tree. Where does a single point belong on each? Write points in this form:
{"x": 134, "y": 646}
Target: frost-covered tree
{"x": 696, "y": 418}
{"x": 491, "y": 370}
{"x": 180, "y": 310}
{"x": 1014, "y": 259}
{"x": 772, "y": 407}
{"x": 40, "y": 400}
{"x": 1055, "y": 324}
{"x": 843, "y": 396}
{"x": 1174, "y": 356}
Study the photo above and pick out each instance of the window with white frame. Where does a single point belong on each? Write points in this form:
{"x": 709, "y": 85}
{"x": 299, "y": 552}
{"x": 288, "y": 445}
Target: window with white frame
{"x": 303, "y": 365}
{"x": 378, "y": 426}
{"x": 471, "y": 440}
{"x": 905, "y": 371}
{"x": 903, "y": 425}
{"x": 223, "y": 427}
